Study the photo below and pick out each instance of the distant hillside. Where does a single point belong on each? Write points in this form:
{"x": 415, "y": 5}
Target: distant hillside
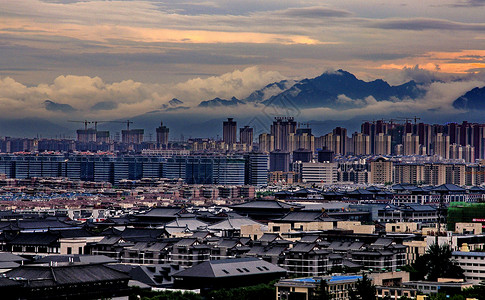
{"x": 472, "y": 100}
{"x": 323, "y": 91}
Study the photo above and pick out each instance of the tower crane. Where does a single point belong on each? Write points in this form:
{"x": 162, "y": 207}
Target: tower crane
{"x": 127, "y": 122}
{"x": 85, "y": 122}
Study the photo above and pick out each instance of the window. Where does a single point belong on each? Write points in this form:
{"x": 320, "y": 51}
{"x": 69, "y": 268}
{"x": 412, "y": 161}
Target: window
{"x": 80, "y": 250}
{"x": 69, "y": 250}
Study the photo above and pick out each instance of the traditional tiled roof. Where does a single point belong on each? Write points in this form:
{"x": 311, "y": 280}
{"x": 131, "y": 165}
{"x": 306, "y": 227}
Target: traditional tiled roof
{"x": 238, "y": 267}
{"x": 69, "y": 274}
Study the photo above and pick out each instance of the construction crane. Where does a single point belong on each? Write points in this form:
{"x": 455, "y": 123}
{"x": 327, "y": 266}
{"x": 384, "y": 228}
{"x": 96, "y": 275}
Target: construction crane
{"x": 86, "y": 122}
{"x": 96, "y": 124}
{"x": 127, "y": 122}
{"x": 409, "y": 119}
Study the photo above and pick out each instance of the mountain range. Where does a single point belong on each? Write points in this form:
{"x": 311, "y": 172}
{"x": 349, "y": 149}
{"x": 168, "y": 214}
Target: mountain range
{"x": 326, "y": 90}
{"x": 339, "y": 90}
{"x": 472, "y": 100}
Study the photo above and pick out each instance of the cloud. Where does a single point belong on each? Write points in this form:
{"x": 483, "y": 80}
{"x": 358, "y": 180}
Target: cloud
{"x": 314, "y": 12}
{"x": 470, "y": 3}
{"x": 437, "y": 101}
{"x": 419, "y": 24}
{"x": 105, "y": 105}
{"x": 237, "y": 84}
{"x": 92, "y": 97}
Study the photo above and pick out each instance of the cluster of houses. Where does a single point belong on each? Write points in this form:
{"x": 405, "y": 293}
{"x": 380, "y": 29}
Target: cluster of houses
{"x": 198, "y": 248}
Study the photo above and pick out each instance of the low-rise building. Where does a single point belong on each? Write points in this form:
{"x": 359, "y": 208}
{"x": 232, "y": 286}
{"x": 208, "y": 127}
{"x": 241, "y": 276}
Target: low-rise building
{"x": 303, "y": 288}
{"x": 472, "y": 263}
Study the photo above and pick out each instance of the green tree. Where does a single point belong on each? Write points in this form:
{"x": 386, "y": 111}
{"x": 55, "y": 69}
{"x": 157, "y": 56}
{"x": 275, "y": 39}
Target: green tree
{"x": 437, "y": 262}
{"x": 321, "y": 291}
{"x": 261, "y": 291}
{"x": 477, "y": 291}
{"x": 165, "y": 295}
{"x": 364, "y": 290}
{"x": 440, "y": 296}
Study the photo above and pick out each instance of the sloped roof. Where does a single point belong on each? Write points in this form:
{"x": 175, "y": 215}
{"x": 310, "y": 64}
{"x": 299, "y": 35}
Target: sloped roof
{"x": 142, "y": 232}
{"x": 190, "y": 223}
{"x": 232, "y": 223}
{"x": 268, "y": 237}
{"x": 8, "y": 257}
{"x": 162, "y": 212}
{"x": 345, "y": 246}
{"x": 448, "y": 187}
{"x": 88, "y": 259}
{"x": 238, "y": 267}
{"x": 305, "y": 247}
{"x": 40, "y": 275}
{"x": 38, "y": 238}
{"x": 186, "y": 242}
{"x": 266, "y": 204}
{"x": 109, "y": 240}
{"x": 301, "y": 216}
{"x": 359, "y": 192}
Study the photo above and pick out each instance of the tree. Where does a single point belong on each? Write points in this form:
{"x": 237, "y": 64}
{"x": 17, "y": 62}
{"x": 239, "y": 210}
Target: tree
{"x": 364, "y": 290}
{"x": 321, "y": 291}
{"x": 262, "y": 291}
{"x": 437, "y": 262}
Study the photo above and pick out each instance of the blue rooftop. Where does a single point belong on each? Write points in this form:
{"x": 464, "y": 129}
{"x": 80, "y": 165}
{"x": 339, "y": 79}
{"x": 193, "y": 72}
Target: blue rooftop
{"x": 332, "y": 278}
{"x": 344, "y": 278}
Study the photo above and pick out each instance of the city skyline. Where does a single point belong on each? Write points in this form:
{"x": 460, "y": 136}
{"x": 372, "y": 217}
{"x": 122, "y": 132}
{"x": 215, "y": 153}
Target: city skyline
{"x": 126, "y": 59}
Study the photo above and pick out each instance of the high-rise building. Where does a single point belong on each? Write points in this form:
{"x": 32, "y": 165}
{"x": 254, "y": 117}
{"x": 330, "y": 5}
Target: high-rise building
{"x": 342, "y": 133}
{"x": 229, "y": 132}
{"x": 441, "y": 145}
{"x": 86, "y": 135}
{"x": 302, "y": 155}
{"x": 325, "y": 156}
{"x": 246, "y": 136}
{"x": 279, "y": 161}
{"x": 132, "y": 136}
{"x": 409, "y": 173}
{"x": 315, "y": 172}
{"x": 202, "y": 169}
{"x": 361, "y": 144}
{"x": 410, "y": 144}
{"x": 266, "y": 142}
{"x": 281, "y": 129}
{"x": 332, "y": 142}
{"x": 102, "y": 137}
{"x": 381, "y": 171}
{"x": 382, "y": 144}
{"x": 162, "y": 136}
{"x": 257, "y": 168}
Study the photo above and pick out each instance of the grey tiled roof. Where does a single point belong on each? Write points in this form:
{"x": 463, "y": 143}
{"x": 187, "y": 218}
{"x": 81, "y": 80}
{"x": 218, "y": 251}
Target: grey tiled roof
{"x": 238, "y": 267}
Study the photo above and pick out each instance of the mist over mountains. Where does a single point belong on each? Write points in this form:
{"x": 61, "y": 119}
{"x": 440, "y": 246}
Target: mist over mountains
{"x": 335, "y": 98}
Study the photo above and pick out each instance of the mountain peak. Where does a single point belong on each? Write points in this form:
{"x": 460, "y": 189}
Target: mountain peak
{"x": 473, "y": 99}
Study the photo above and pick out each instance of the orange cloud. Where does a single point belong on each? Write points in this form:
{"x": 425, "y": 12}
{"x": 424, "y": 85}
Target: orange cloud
{"x": 460, "y": 62}
{"x": 104, "y": 33}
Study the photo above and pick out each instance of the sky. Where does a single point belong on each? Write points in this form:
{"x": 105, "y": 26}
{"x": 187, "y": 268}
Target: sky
{"x": 68, "y": 59}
